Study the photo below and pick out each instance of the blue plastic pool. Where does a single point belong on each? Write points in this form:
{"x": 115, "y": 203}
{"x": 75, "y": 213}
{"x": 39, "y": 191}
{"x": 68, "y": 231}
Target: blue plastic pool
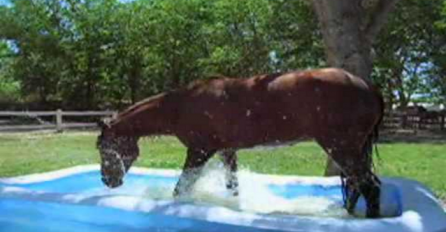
{"x": 27, "y": 215}
{"x": 80, "y": 202}
{"x": 87, "y": 181}
{"x": 34, "y": 216}
{"x": 24, "y": 215}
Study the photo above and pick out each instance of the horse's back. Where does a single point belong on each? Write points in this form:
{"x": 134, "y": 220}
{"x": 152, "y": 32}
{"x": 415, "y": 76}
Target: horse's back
{"x": 333, "y": 78}
{"x": 278, "y": 107}
{"x": 328, "y": 97}
{"x": 331, "y": 89}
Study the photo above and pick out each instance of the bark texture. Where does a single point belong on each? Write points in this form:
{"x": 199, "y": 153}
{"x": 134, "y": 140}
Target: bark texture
{"x": 349, "y": 28}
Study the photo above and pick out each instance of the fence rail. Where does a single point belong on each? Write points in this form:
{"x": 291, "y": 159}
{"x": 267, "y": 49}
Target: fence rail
{"x": 57, "y": 123}
{"x": 392, "y": 120}
{"x": 415, "y": 121}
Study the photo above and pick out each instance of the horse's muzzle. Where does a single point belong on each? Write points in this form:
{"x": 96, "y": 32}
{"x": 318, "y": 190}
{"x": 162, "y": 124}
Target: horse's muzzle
{"x": 112, "y": 183}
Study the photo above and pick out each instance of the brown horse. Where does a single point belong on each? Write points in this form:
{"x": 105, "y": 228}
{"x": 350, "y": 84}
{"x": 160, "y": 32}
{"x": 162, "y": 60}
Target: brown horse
{"x": 340, "y": 111}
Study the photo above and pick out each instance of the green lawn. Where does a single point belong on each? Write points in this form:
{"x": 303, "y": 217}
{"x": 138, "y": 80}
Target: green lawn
{"x": 26, "y": 153}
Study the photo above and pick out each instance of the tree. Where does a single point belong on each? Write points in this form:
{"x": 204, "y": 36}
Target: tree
{"x": 349, "y": 29}
{"x": 296, "y": 41}
{"x": 9, "y": 88}
{"x": 85, "y": 54}
{"x": 30, "y": 26}
{"x": 438, "y": 59}
{"x": 405, "y": 53}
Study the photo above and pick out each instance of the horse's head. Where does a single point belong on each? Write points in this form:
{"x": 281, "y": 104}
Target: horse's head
{"x": 117, "y": 155}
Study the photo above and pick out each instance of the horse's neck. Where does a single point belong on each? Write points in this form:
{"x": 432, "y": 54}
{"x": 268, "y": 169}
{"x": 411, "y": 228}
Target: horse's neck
{"x": 154, "y": 116}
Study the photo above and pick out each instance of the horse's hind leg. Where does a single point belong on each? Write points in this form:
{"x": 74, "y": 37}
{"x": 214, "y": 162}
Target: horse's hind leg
{"x": 351, "y": 194}
{"x": 357, "y": 175}
{"x": 367, "y": 184}
{"x": 370, "y": 188}
{"x": 195, "y": 161}
{"x": 230, "y": 162}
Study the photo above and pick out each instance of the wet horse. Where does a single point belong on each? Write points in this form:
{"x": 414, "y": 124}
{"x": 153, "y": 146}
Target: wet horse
{"x": 340, "y": 111}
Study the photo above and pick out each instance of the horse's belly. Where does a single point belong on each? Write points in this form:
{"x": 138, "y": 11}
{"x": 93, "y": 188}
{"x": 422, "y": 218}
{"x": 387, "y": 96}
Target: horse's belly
{"x": 276, "y": 144}
{"x": 263, "y": 137}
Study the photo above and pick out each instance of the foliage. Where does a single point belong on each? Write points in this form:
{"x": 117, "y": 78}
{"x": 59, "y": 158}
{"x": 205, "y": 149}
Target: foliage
{"x": 9, "y": 88}
{"x": 409, "y": 53}
{"x": 87, "y": 54}
{"x": 438, "y": 59}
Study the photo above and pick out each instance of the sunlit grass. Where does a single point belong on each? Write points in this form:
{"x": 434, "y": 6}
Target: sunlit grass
{"x": 38, "y": 152}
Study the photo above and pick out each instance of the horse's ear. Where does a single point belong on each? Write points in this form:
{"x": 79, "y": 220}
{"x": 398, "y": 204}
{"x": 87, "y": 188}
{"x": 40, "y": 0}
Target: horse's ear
{"x": 104, "y": 123}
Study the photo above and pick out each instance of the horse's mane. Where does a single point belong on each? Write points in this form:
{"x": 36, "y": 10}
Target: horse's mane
{"x": 136, "y": 106}
{"x": 193, "y": 85}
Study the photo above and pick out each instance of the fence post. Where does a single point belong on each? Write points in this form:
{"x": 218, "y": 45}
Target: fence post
{"x": 59, "y": 120}
{"x": 442, "y": 122}
{"x": 420, "y": 122}
{"x": 404, "y": 121}
{"x": 114, "y": 115}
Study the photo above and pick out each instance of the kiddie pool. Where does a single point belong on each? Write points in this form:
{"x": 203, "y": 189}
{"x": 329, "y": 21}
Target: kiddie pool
{"x": 74, "y": 199}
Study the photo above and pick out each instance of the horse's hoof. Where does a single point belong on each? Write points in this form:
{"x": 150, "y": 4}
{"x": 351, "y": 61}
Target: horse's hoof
{"x": 235, "y": 193}
{"x": 373, "y": 213}
{"x": 350, "y": 210}
{"x": 176, "y": 194}
{"x": 373, "y": 216}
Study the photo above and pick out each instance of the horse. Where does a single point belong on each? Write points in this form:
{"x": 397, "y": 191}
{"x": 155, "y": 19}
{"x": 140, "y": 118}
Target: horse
{"x": 338, "y": 110}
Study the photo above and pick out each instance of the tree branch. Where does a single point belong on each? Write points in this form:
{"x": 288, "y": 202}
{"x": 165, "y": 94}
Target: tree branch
{"x": 378, "y": 18}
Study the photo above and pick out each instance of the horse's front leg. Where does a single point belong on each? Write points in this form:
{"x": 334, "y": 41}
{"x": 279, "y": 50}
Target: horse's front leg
{"x": 195, "y": 161}
{"x": 230, "y": 162}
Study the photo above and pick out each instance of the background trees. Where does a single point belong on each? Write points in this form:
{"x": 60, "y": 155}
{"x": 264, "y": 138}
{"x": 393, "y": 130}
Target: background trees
{"x": 409, "y": 51}
{"x": 107, "y": 53}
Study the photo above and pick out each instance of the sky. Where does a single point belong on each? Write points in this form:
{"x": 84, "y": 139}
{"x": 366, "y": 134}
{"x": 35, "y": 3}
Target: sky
{"x": 4, "y": 2}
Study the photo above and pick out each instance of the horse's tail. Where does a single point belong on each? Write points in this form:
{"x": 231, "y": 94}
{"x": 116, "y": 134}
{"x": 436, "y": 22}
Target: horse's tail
{"x": 373, "y": 138}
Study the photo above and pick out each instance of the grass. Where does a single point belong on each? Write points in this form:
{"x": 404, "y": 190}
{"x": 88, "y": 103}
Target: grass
{"x": 27, "y": 153}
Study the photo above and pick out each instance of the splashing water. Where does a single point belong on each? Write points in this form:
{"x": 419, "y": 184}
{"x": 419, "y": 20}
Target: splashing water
{"x": 255, "y": 194}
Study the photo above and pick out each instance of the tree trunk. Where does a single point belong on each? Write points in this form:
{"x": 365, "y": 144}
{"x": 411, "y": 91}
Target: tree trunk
{"x": 349, "y": 28}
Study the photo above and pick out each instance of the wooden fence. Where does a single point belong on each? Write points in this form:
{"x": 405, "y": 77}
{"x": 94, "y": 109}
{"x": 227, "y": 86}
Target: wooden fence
{"x": 392, "y": 120}
{"x": 56, "y": 123}
{"x": 415, "y": 121}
